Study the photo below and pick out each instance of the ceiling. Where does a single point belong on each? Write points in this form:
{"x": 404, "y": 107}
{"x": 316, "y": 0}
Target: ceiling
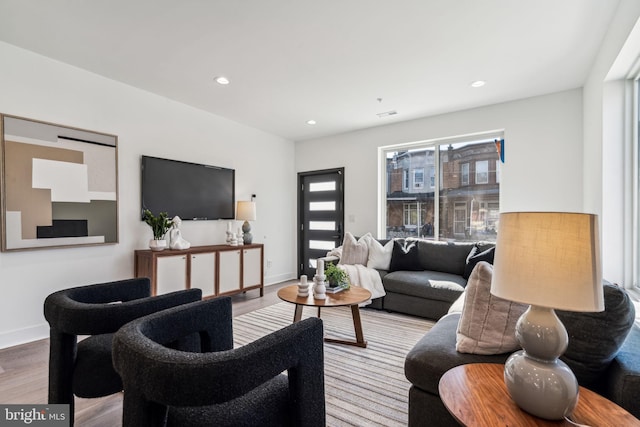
{"x": 339, "y": 62}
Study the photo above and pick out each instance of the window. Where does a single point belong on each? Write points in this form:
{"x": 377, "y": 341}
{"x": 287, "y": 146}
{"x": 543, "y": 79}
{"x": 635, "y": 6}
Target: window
{"x": 410, "y": 215}
{"x": 498, "y": 171}
{"x": 449, "y": 206}
{"x": 482, "y": 172}
{"x": 460, "y": 219}
{"x": 418, "y": 178}
{"x": 464, "y": 174}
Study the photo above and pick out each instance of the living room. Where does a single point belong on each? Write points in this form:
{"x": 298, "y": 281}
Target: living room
{"x": 572, "y": 136}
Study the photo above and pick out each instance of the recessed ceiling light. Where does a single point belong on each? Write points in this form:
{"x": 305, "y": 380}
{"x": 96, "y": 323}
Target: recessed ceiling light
{"x": 311, "y": 122}
{"x": 478, "y": 83}
{"x": 222, "y": 80}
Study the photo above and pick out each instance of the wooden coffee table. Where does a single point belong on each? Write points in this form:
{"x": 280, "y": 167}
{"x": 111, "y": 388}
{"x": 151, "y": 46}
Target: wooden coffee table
{"x": 476, "y": 395}
{"x": 351, "y": 297}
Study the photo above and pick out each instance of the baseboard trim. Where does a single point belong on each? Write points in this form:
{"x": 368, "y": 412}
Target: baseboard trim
{"x": 24, "y": 335}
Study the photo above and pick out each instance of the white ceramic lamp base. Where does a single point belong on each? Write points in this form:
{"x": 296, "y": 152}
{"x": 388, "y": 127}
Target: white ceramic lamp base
{"x": 536, "y": 379}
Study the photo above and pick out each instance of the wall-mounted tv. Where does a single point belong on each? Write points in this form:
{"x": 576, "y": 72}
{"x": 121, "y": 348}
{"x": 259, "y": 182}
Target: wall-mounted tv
{"x": 189, "y": 190}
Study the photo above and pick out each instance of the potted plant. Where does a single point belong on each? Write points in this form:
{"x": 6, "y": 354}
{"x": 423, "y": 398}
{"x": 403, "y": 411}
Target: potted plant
{"x": 159, "y": 225}
{"x": 336, "y": 276}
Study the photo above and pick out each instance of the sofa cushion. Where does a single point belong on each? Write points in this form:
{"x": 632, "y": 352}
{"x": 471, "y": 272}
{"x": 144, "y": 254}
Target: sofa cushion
{"x": 404, "y": 256}
{"x": 488, "y": 323}
{"x": 354, "y": 251}
{"x": 486, "y": 256}
{"x": 379, "y": 255}
{"x": 595, "y": 338}
{"x": 425, "y": 284}
{"x": 622, "y": 380}
{"x": 435, "y": 353}
{"x": 448, "y": 257}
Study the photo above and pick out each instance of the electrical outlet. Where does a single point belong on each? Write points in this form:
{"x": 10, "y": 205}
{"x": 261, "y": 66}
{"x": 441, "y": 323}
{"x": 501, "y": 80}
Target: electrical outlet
{"x": 269, "y": 263}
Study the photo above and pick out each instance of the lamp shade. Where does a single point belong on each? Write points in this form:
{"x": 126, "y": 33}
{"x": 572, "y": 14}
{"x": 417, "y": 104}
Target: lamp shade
{"x": 246, "y": 211}
{"x": 549, "y": 259}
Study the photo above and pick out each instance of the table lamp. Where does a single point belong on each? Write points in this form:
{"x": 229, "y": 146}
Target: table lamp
{"x": 550, "y": 260}
{"x": 246, "y": 211}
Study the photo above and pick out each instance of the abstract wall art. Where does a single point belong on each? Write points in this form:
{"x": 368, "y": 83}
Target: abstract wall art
{"x": 59, "y": 185}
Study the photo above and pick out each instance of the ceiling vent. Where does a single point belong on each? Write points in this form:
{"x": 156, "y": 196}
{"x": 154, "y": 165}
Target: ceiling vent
{"x": 387, "y": 114}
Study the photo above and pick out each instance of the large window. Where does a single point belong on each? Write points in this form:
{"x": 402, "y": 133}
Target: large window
{"x": 459, "y": 202}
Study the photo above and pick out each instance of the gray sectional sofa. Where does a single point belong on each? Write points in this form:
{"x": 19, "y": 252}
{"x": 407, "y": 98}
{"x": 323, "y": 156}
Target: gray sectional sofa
{"x": 425, "y": 277}
{"x": 602, "y": 353}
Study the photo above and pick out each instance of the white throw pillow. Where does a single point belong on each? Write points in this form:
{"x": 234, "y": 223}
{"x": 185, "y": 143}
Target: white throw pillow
{"x": 488, "y": 323}
{"x": 379, "y": 256}
{"x": 354, "y": 251}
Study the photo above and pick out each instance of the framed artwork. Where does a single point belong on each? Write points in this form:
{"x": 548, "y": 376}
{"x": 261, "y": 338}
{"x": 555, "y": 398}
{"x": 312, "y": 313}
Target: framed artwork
{"x": 59, "y": 185}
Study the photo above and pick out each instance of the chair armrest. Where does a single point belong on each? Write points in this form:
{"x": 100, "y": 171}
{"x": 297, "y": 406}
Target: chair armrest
{"x": 104, "y": 308}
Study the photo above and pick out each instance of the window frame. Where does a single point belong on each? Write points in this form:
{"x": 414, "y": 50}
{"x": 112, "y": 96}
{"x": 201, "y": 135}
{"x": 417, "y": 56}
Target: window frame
{"x": 435, "y": 145}
{"x": 465, "y": 174}
{"x": 477, "y": 173}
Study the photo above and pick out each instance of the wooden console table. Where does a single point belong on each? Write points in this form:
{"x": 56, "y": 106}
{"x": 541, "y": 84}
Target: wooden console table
{"x": 476, "y": 395}
{"x": 216, "y": 269}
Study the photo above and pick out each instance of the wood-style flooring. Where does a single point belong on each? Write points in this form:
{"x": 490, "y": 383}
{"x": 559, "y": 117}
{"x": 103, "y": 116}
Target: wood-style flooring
{"x": 24, "y": 370}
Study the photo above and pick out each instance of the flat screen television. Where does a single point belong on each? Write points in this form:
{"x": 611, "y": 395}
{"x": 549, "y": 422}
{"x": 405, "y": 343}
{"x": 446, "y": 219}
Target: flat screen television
{"x": 189, "y": 190}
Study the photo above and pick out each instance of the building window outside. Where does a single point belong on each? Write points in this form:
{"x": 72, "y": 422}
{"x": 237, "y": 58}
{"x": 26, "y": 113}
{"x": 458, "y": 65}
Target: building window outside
{"x": 464, "y": 174}
{"x": 418, "y": 178}
{"x": 460, "y": 220}
{"x": 451, "y": 207}
{"x": 482, "y": 172}
{"x": 411, "y": 215}
{"x": 498, "y": 171}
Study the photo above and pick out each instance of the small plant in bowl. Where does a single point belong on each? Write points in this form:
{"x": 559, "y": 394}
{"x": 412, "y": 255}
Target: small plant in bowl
{"x": 336, "y": 276}
{"x": 159, "y": 226}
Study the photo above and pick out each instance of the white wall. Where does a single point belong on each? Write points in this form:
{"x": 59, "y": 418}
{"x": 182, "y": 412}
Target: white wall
{"x": 36, "y": 87}
{"x": 543, "y": 154}
{"x": 606, "y": 154}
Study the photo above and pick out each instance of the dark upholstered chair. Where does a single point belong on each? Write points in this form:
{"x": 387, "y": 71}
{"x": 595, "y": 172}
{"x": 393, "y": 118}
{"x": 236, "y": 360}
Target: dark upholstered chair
{"x": 85, "y": 368}
{"x": 179, "y": 368}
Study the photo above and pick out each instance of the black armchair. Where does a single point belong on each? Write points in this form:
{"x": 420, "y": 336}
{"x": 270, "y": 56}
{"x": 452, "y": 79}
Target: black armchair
{"x": 179, "y": 368}
{"x": 86, "y": 368}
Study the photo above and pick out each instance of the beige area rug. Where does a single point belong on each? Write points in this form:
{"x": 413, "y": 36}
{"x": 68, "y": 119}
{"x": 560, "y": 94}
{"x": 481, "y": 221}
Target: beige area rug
{"x": 364, "y": 386}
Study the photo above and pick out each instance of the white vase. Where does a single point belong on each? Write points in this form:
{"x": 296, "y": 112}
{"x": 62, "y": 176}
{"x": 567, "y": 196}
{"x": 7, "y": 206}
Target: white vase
{"x": 157, "y": 245}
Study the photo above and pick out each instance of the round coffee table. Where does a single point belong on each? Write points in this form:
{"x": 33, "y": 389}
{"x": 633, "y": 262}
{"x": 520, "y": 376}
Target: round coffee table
{"x": 351, "y": 297}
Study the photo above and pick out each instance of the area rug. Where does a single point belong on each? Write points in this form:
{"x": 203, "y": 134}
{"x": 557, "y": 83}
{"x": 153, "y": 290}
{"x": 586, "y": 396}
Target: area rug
{"x": 364, "y": 386}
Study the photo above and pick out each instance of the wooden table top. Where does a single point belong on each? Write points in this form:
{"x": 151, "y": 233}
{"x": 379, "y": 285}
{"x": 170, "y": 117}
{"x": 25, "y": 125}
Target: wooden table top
{"x": 476, "y": 395}
{"x": 353, "y": 295}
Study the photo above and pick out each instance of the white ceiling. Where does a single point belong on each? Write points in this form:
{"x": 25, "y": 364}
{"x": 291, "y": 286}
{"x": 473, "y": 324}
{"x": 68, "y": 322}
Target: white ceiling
{"x": 329, "y": 60}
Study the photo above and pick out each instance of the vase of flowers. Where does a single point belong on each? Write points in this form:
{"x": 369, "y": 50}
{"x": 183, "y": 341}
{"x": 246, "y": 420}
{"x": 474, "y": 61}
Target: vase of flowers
{"x": 159, "y": 226}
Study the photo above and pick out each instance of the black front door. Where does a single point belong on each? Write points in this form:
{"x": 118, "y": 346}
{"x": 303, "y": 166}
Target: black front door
{"x": 320, "y": 216}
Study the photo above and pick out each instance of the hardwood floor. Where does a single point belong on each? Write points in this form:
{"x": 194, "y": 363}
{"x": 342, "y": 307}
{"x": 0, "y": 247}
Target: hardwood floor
{"x": 24, "y": 370}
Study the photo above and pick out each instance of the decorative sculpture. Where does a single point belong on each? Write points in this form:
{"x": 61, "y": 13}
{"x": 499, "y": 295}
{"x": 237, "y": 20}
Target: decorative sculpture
{"x": 175, "y": 235}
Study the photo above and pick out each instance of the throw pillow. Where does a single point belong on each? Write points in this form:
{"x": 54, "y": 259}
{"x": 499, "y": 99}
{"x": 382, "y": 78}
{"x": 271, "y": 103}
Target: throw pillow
{"x": 487, "y": 324}
{"x": 354, "y": 251}
{"x": 404, "y": 256}
{"x": 486, "y": 256}
{"x": 379, "y": 255}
